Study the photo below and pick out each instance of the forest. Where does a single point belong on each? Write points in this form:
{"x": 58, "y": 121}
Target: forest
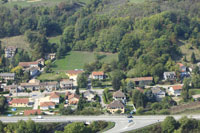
{"x": 146, "y": 35}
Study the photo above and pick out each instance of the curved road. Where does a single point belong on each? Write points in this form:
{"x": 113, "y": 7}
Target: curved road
{"x": 121, "y": 122}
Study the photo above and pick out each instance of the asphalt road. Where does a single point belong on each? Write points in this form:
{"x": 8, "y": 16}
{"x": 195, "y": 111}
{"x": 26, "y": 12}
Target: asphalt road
{"x": 121, "y": 122}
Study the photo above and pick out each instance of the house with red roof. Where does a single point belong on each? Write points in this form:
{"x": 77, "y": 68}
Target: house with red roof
{"x": 98, "y": 75}
{"x": 73, "y": 99}
{"x": 47, "y": 105}
{"x": 73, "y": 75}
{"x": 54, "y": 97}
{"x": 19, "y": 102}
{"x": 176, "y": 90}
{"x": 182, "y": 67}
{"x": 32, "y": 112}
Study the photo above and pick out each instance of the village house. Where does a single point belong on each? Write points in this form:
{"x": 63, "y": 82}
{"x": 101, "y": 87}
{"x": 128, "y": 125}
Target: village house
{"x": 11, "y": 88}
{"x": 32, "y": 112}
{"x": 7, "y": 76}
{"x": 115, "y": 106}
{"x": 119, "y": 95}
{"x": 47, "y": 105}
{"x": 20, "y": 102}
{"x": 41, "y": 61}
{"x": 175, "y": 90}
{"x": 26, "y": 65}
{"x": 73, "y": 74}
{"x": 158, "y": 93}
{"x": 49, "y": 86}
{"x": 169, "y": 76}
{"x": 33, "y": 71}
{"x": 10, "y": 51}
{"x": 98, "y": 75}
{"x": 73, "y": 99}
{"x": 54, "y": 97}
{"x": 66, "y": 84}
{"x": 50, "y": 56}
{"x": 142, "y": 81}
{"x": 89, "y": 95}
{"x": 30, "y": 86}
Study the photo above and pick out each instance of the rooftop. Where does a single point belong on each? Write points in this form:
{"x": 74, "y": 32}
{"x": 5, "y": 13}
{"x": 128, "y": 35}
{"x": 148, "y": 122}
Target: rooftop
{"x": 142, "y": 79}
{"x": 46, "y": 104}
{"x": 119, "y": 93}
{"x": 32, "y": 112}
{"x": 7, "y": 74}
{"x": 20, "y": 100}
{"x": 115, "y": 104}
{"x": 54, "y": 95}
{"x": 98, "y": 73}
{"x": 27, "y": 64}
{"x": 177, "y": 87}
{"x": 74, "y": 72}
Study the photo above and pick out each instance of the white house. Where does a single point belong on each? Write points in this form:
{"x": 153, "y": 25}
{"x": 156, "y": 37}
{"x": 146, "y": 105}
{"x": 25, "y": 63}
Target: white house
{"x": 54, "y": 97}
{"x": 89, "y": 95}
{"x": 175, "y": 90}
{"x": 98, "y": 75}
{"x": 169, "y": 75}
{"x": 10, "y": 51}
{"x": 159, "y": 94}
{"x": 47, "y": 105}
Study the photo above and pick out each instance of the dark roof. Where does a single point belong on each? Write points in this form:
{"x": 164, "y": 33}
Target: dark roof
{"x": 116, "y": 104}
{"x": 118, "y": 93}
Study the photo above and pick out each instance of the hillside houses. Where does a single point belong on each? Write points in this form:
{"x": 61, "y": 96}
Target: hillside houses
{"x": 73, "y": 75}
{"x": 98, "y": 75}
{"x": 142, "y": 81}
{"x": 47, "y": 105}
{"x": 115, "y": 106}
{"x": 7, "y": 76}
{"x": 66, "y": 84}
{"x": 119, "y": 95}
{"x": 170, "y": 76}
{"x": 19, "y": 102}
{"x": 175, "y": 90}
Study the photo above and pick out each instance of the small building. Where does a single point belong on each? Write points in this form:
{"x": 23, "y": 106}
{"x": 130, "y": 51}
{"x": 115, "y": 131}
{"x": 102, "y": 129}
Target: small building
{"x": 50, "y": 56}
{"x": 115, "y": 106}
{"x": 169, "y": 76}
{"x": 54, "y": 97}
{"x": 66, "y": 84}
{"x": 50, "y": 86}
{"x": 158, "y": 93}
{"x": 73, "y": 75}
{"x": 10, "y": 51}
{"x": 32, "y": 112}
{"x": 11, "y": 88}
{"x": 30, "y": 86}
{"x": 142, "y": 81}
{"x": 98, "y": 75}
{"x": 89, "y": 95}
{"x": 67, "y": 93}
{"x": 73, "y": 99}
{"x": 41, "y": 61}
{"x": 119, "y": 95}
{"x": 182, "y": 67}
{"x": 20, "y": 102}
{"x": 47, "y": 105}
{"x": 33, "y": 71}
{"x": 175, "y": 90}
{"x": 7, "y": 76}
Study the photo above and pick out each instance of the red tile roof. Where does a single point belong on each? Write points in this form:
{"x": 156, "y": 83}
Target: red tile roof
{"x": 140, "y": 89}
{"x": 180, "y": 64}
{"x": 54, "y": 95}
{"x": 20, "y": 101}
{"x": 142, "y": 78}
{"x": 177, "y": 87}
{"x": 68, "y": 93}
{"x": 98, "y": 73}
{"x": 75, "y": 72}
{"x": 27, "y": 64}
{"x": 47, "y": 104}
{"x": 73, "y": 96}
{"x": 32, "y": 112}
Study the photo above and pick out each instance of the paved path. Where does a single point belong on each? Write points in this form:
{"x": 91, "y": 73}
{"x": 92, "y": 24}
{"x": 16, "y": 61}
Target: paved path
{"x": 121, "y": 122}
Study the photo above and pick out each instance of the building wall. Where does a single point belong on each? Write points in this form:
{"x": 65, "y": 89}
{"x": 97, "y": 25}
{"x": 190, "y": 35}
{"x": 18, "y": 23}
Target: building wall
{"x": 19, "y": 105}
{"x": 115, "y": 110}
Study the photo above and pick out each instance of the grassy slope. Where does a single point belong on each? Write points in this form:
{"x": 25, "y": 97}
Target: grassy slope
{"x": 77, "y": 59}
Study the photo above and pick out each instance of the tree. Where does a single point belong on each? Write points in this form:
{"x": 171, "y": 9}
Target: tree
{"x": 117, "y": 76}
{"x": 77, "y": 91}
{"x": 130, "y": 85}
{"x": 82, "y": 80}
{"x": 169, "y": 124}
{"x": 138, "y": 98}
{"x": 193, "y": 58}
{"x": 185, "y": 91}
{"x": 3, "y": 104}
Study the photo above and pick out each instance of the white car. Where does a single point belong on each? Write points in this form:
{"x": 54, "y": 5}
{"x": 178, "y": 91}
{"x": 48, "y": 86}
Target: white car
{"x": 39, "y": 117}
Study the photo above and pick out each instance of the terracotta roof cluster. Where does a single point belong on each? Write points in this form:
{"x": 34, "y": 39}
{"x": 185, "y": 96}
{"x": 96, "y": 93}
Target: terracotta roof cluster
{"x": 142, "y": 79}
{"x": 116, "y": 104}
{"x": 68, "y": 93}
{"x": 180, "y": 64}
{"x": 177, "y": 87}
{"x": 74, "y": 72}
{"x": 47, "y": 104}
{"x": 32, "y": 112}
{"x": 119, "y": 94}
{"x": 20, "y": 101}
{"x": 98, "y": 73}
{"x": 54, "y": 95}
{"x": 73, "y": 96}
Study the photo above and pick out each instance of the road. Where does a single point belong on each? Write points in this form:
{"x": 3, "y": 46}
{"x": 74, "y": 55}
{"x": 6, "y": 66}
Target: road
{"x": 121, "y": 122}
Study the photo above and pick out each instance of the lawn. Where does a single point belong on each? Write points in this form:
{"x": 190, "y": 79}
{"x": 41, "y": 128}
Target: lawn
{"x": 52, "y": 76}
{"x": 137, "y": 1}
{"x": 19, "y": 109}
{"x": 110, "y": 125}
{"x": 77, "y": 59}
{"x": 195, "y": 91}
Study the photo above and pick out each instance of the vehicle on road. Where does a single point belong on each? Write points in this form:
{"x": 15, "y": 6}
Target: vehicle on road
{"x": 129, "y": 121}
{"x": 9, "y": 115}
{"x": 39, "y": 117}
{"x": 129, "y": 116}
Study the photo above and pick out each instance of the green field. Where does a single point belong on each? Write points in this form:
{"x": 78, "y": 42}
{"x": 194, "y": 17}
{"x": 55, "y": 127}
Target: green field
{"x": 195, "y": 91}
{"x": 27, "y": 3}
{"x": 137, "y": 1}
{"x": 77, "y": 59}
{"x": 52, "y": 76}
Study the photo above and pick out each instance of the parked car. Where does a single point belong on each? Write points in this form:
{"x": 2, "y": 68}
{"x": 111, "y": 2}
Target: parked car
{"x": 39, "y": 117}
{"x": 129, "y": 116}
{"x": 129, "y": 121}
